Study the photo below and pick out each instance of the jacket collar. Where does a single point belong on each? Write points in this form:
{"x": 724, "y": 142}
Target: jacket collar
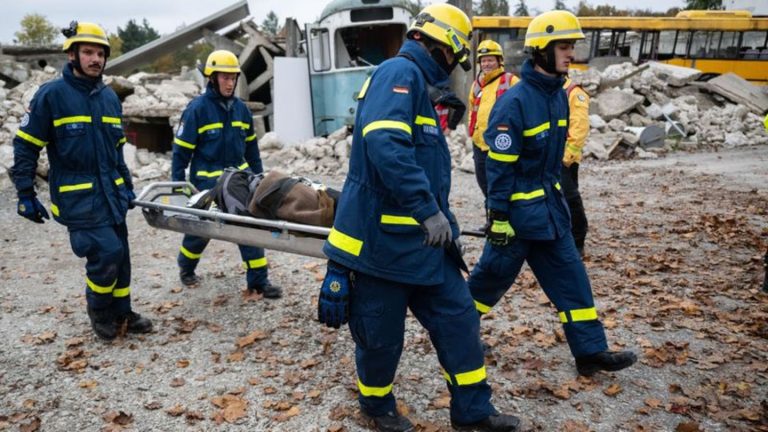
{"x": 484, "y": 79}
{"x": 545, "y": 83}
{"x": 415, "y": 51}
{"x": 87, "y": 85}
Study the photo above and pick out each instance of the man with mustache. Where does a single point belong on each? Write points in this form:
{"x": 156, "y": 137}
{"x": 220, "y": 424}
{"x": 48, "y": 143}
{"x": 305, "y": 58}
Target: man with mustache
{"x": 79, "y": 121}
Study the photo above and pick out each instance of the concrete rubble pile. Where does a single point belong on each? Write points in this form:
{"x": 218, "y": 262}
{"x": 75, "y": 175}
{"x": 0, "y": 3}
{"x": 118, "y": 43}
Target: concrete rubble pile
{"x": 635, "y": 111}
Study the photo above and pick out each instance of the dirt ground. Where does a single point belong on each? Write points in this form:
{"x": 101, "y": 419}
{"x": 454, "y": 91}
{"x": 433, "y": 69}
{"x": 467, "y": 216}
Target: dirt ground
{"x": 674, "y": 254}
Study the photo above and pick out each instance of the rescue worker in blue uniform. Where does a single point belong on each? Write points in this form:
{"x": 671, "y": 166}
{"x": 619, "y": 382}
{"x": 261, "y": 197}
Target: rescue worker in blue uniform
{"x": 391, "y": 247}
{"x": 216, "y": 132}
{"x": 78, "y": 120}
{"x": 528, "y": 214}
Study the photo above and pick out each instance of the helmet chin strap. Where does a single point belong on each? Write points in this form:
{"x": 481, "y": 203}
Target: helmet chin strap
{"x": 439, "y": 56}
{"x": 546, "y": 59}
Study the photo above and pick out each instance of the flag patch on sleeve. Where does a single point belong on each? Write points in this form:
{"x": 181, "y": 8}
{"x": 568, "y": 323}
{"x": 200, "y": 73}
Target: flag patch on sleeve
{"x": 400, "y": 89}
{"x": 502, "y": 128}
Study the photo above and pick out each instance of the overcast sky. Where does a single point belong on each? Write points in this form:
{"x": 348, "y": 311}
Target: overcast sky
{"x": 168, "y": 15}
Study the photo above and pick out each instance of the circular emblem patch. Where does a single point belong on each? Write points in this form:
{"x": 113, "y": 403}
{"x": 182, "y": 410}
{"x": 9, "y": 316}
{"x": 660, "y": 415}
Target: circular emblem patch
{"x": 181, "y": 129}
{"x": 335, "y": 286}
{"x": 24, "y": 120}
{"x": 581, "y": 97}
{"x": 503, "y": 142}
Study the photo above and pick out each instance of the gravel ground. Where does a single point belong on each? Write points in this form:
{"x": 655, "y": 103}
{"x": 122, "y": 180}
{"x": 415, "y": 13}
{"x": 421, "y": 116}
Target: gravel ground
{"x": 674, "y": 254}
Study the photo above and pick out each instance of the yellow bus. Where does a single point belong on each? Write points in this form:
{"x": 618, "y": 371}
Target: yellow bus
{"x": 715, "y": 42}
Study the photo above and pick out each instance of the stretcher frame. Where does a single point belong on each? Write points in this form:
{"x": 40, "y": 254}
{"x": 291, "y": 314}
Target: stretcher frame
{"x": 270, "y": 234}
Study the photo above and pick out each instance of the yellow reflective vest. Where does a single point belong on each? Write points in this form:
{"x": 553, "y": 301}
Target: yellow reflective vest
{"x": 482, "y": 96}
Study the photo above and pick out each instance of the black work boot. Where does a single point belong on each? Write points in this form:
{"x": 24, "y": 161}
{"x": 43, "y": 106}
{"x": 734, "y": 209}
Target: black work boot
{"x": 269, "y": 290}
{"x": 188, "y": 277}
{"x": 135, "y": 323}
{"x": 493, "y": 423}
{"x": 392, "y": 422}
{"x": 605, "y": 361}
{"x": 103, "y": 323}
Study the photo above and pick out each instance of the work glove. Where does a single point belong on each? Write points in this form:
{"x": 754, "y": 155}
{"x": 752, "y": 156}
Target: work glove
{"x": 31, "y": 208}
{"x": 499, "y": 230}
{"x": 333, "y": 304}
{"x": 131, "y": 197}
{"x": 438, "y": 231}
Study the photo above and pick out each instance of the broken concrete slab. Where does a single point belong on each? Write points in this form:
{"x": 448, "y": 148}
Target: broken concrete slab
{"x": 677, "y": 76}
{"x": 740, "y": 91}
{"x": 612, "y": 103}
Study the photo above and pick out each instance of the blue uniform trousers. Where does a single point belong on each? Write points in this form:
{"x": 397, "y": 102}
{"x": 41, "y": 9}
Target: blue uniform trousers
{"x": 560, "y": 272}
{"x": 377, "y": 323}
{"x": 255, "y": 262}
{"x": 108, "y": 266}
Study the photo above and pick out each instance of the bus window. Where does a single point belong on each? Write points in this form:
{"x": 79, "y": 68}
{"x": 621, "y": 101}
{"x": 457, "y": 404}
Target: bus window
{"x": 367, "y": 45}
{"x": 704, "y": 44}
{"x": 729, "y": 46}
{"x": 752, "y": 44}
{"x": 320, "y": 49}
{"x": 683, "y": 42}
{"x": 668, "y": 39}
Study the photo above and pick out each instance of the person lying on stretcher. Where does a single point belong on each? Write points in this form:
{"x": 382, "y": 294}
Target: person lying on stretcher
{"x": 273, "y": 195}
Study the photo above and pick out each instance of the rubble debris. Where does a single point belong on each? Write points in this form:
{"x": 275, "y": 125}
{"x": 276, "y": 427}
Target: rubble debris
{"x": 740, "y": 91}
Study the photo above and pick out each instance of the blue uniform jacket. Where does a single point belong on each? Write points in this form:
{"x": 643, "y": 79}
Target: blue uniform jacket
{"x": 399, "y": 175}
{"x": 79, "y": 122}
{"x": 526, "y": 135}
{"x": 215, "y": 133}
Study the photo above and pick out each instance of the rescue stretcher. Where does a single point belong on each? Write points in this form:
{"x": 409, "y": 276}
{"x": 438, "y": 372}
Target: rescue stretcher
{"x": 164, "y": 206}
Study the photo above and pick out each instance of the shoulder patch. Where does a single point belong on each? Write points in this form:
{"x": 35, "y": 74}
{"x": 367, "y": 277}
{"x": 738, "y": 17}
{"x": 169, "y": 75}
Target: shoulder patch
{"x": 503, "y": 141}
{"x": 502, "y": 128}
{"x": 400, "y": 89}
{"x": 181, "y": 129}
{"x": 24, "y": 120}
{"x": 581, "y": 97}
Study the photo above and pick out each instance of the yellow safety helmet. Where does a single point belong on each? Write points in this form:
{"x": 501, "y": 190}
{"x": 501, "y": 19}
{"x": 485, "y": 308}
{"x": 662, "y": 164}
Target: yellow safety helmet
{"x": 447, "y": 25}
{"x": 85, "y": 33}
{"x": 489, "y": 48}
{"x": 552, "y": 26}
{"x": 221, "y": 61}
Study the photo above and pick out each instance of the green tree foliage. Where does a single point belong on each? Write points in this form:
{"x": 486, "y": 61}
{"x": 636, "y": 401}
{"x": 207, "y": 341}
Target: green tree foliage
{"x": 36, "y": 30}
{"x": 115, "y": 45}
{"x": 491, "y": 7}
{"x": 521, "y": 9}
{"x": 560, "y": 5}
{"x": 704, "y": 4}
{"x": 271, "y": 24}
{"x": 134, "y": 35}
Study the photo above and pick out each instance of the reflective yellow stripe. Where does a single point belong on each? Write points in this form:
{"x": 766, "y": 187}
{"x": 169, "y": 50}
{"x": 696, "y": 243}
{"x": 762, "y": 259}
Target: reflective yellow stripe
{"x": 573, "y": 148}
{"x": 373, "y": 391}
{"x": 344, "y": 242}
{"x": 210, "y": 126}
{"x": 122, "y": 140}
{"x": 111, "y": 120}
{"x": 98, "y": 289}
{"x": 527, "y": 195}
{"x": 563, "y": 317}
{"x": 241, "y": 125}
{"x": 119, "y": 181}
{"x": 243, "y": 166}
{"x": 184, "y": 143}
{"x": 210, "y": 174}
{"x": 481, "y": 307}
{"x": 364, "y": 89}
{"x": 75, "y": 187}
{"x": 421, "y": 120}
{"x": 398, "y": 220}
{"x": 72, "y": 119}
{"x": 588, "y": 314}
{"x": 55, "y": 209}
{"x": 387, "y": 124}
{"x": 562, "y": 122}
{"x": 447, "y": 376}
{"x": 27, "y": 137}
{"x": 250, "y": 138}
{"x": 471, "y": 377}
{"x": 557, "y": 186}
{"x": 537, "y": 129}
{"x": 184, "y": 251}
{"x": 121, "y": 292}
{"x": 255, "y": 263}
{"x": 502, "y": 157}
